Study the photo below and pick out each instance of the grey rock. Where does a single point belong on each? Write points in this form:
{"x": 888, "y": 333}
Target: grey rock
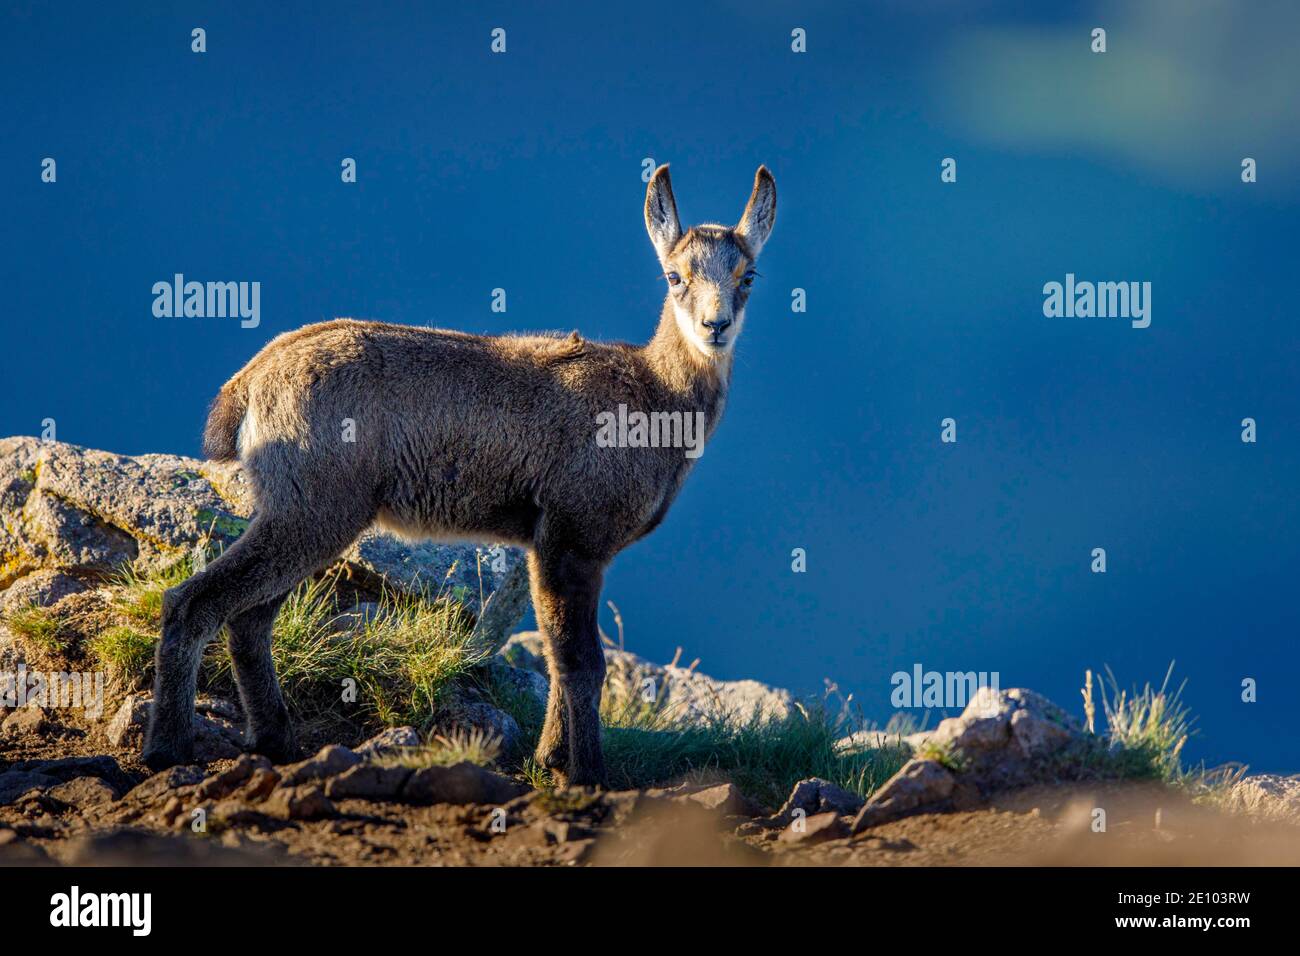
{"x": 873, "y": 739}
{"x": 491, "y": 580}
{"x": 482, "y": 716}
{"x": 24, "y": 721}
{"x": 299, "y": 803}
{"x": 69, "y": 768}
{"x": 16, "y": 784}
{"x": 226, "y": 782}
{"x": 816, "y": 796}
{"x": 62, "y": 535}
{"x": 174, "y": 778}
{"x": 41, "y": 588}
{"x": 684, "y": 693}
{"x": 83, "y": 792}
{"x": 1008, "y": 738}
{"x": 726, "y": 798}
{"x": 526, "y": 681}
{"x": 330, "y": 762}
{"x": 368, "y": 781}
{"x": 1267, "y": 796}
{"x": 461, "y": 783}
{"x": 12, "y": 654}
{"x": 918, "y": 786}
{"x": 389, "y": 741}
{"x": 215, "y": 737}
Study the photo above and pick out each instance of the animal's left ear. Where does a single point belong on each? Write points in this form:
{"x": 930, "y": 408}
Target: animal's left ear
{"x": 760, "y": 214}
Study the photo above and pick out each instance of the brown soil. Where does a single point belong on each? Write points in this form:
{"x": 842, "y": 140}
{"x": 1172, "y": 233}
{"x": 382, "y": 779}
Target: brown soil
{"x": 1145, "y": 824}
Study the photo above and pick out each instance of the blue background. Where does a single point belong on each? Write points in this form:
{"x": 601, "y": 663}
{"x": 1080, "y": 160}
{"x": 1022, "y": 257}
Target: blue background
{"x": 924, "y": 299}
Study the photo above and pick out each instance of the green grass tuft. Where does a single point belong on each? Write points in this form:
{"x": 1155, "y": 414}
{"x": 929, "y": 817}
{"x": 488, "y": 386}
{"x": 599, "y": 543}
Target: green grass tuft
{"x": 400, "y": 661}
{"x": 126, "y": 653}
{"x": 138, "y": 596}
{"x": 476, "y": 746}
{"x": 39, "y": 625}
{"x": 1145, "y": 729}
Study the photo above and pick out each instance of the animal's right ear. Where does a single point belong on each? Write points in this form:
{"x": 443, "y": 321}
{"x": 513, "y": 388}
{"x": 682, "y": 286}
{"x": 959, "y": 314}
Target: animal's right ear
{"x": 661, "y": 214}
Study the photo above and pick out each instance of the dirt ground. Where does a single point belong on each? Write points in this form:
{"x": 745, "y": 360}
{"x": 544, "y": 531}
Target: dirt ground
{"x": 94, "y": 824}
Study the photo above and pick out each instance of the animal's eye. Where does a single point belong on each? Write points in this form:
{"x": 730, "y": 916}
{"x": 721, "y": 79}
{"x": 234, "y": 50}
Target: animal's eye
{"x": 674, "y": 279}
{"x": 748, "y": 279}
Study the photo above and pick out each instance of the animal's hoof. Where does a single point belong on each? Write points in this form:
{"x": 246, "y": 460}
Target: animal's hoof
{"x": 278, "y": 749}
{"x": 552, "y": 758}
{"x": 161, "y": 758}
{"x": 593, "y": 778}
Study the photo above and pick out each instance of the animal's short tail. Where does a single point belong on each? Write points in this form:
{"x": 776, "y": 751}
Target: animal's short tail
{"x": 224, "y": 417}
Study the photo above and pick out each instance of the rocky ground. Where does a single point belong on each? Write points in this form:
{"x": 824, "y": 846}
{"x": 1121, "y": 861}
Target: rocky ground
{"x": 1014, "y": 779}
{"x": 67, "y": 795}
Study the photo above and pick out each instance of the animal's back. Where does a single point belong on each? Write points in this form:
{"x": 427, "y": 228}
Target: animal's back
{"x": 450, "y": 434}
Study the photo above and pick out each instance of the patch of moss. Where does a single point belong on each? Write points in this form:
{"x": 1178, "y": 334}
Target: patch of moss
{"x": 220, "y": 522}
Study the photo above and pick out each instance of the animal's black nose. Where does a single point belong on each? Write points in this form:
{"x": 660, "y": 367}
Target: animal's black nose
{"x": 717, "y": 325}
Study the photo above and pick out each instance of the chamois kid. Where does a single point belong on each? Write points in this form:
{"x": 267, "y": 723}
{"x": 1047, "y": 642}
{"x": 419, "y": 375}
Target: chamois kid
{"x": 459, "y": 436}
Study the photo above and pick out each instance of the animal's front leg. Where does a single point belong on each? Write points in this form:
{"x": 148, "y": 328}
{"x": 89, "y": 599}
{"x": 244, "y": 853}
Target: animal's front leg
{"x": 566, "y": 592}
{"x": 553, "y": 747}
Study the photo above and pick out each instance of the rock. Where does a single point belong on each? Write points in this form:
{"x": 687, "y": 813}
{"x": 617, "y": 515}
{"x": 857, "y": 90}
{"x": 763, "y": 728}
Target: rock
{"x": 15, "y": 784}
{"x": 498, "y": 573}
{"x": 12, "y": 655}
{"x": 259, "y": 785}
{"x": 529, "y": 684}
{"x": 389, "y": 741}
{"x": 130, "y": 720}
{"x": 815, "y": 796}
{"x": 461, "y": 783}
{"x": 686, "y": 694}
{"x": 83, "y": 792}
{"x": 299, "y": 803}
{"x": 25, "y": 721}
{"x": 226, "y": 782}
{"x": 1266, "y": 795}
{"x": 74, "y": 509}
{"x": 215, "y": 737}
{"x": 479, "y": 715}
{"x": 725, "y": 798}
{"x": 817, "y": 828}
{"x": 174, "y": 778}
{"x": 995, "y": 720}
{"x": 919, "y": 785}
{"x": 330, "y": 762}
{"x": 63, "y": 769}
{"x": 41, "y": 588}
{"x": 217, "y": 707}
{"x": 368, "y": 781}
{"x": 861, "y": 740}
{"x": 65, "y": 536}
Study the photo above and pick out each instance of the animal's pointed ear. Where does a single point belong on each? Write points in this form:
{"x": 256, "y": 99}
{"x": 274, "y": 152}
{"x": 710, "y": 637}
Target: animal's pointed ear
{"x": 760, "y": 214}
{"x": 661, "y": 213}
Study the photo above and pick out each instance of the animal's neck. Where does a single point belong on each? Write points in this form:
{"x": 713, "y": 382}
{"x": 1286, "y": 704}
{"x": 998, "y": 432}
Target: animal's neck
{"x": 681, "y": 368}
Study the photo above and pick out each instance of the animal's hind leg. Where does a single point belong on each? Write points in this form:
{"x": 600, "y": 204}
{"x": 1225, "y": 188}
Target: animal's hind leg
{"x": 248, "y": 637}
{"x": 274, "y": 554}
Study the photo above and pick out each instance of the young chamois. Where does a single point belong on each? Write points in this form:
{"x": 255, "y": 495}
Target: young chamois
{"x": 459, "y": 436}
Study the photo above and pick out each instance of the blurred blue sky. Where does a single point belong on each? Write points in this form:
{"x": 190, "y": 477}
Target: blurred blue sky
{"x": 523, "y": 171}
